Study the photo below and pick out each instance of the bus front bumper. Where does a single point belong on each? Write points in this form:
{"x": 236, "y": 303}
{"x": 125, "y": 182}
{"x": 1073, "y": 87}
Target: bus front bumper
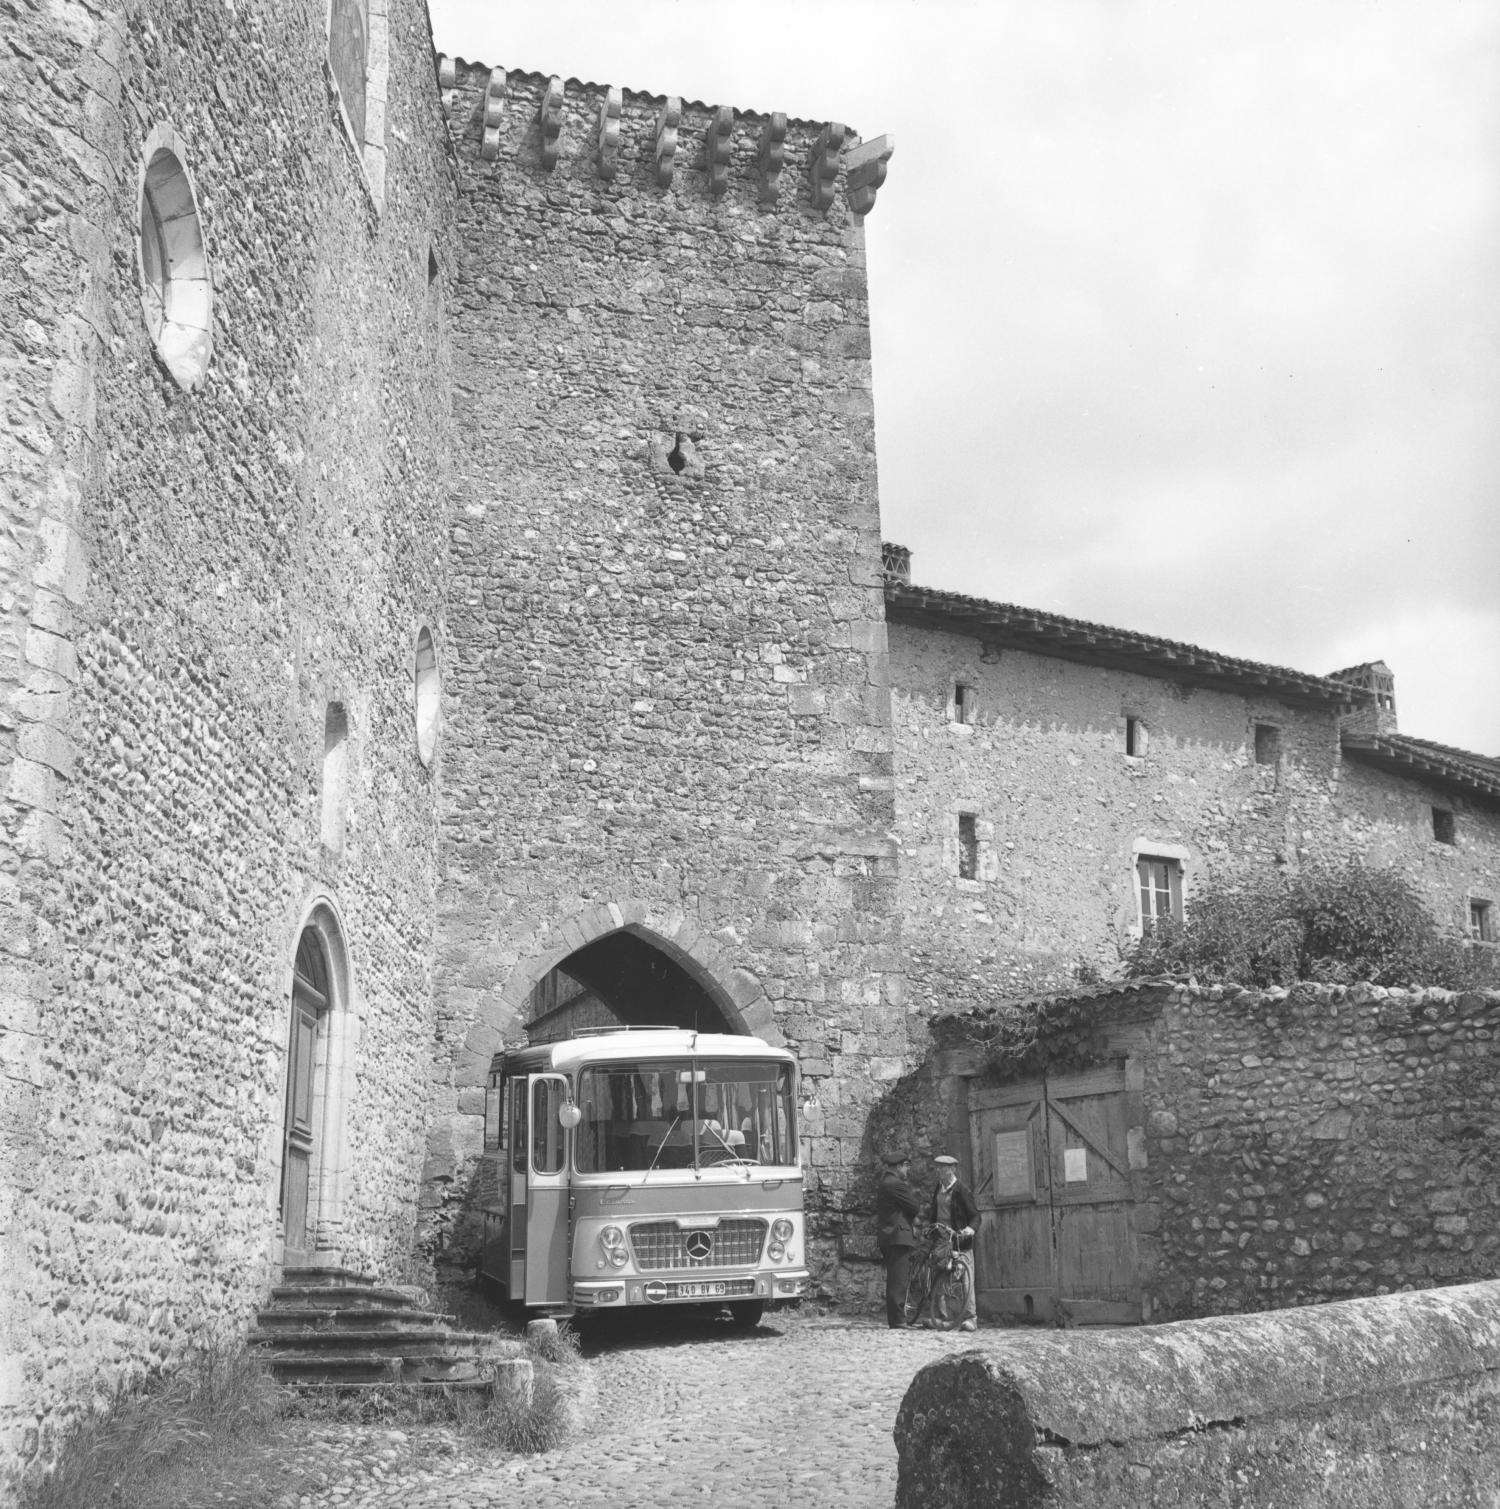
{"x": 700, "y": 1288}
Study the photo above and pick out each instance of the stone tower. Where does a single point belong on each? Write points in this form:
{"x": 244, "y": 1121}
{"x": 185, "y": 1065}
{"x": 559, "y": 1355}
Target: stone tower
{"x": 668, "y": 750}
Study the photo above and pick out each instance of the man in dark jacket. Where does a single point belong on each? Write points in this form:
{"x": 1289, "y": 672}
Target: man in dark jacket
{"x": 896, "y": 1204}
{"x": 954, "y": 1207}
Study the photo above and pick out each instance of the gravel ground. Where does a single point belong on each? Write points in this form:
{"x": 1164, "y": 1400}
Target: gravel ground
{"x": 798, "y": 1412}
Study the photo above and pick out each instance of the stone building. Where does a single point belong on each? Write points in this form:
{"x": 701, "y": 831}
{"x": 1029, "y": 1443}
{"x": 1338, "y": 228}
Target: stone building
{"x": 1057, "y": 781}
{"x": 443, "y": 598}
{"x": 442, "y": 575}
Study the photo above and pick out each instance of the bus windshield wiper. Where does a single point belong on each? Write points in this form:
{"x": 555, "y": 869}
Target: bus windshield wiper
{"x": 661, "y": 1146}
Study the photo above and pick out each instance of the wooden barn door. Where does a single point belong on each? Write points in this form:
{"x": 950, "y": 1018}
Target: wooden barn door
{"x": 1052, "y": 1177}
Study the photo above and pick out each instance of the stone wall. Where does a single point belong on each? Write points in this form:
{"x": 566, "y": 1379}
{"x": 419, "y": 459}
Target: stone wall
{"x": 669, "y": 685}
{"x": 1286, "y": 1147}
{"x": 1062, "y": 811}
{"x": 1378, "y": 1402}
{"x": 201, "y": 572}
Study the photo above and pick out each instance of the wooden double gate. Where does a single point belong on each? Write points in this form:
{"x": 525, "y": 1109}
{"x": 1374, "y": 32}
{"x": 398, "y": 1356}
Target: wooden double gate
{"x": 1052, "y": 1178}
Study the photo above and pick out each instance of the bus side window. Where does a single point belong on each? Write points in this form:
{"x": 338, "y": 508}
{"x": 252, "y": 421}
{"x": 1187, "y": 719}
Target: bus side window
{"x": 494, "y": 1114}
{"x": 517, "y": 1100}
{"x": 547, "y": 1154}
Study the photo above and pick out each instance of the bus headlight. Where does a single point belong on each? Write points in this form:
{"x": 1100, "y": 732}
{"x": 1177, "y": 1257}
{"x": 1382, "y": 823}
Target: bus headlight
{"x": 612, "y": 1242}
{"x": 782, "y": 1231}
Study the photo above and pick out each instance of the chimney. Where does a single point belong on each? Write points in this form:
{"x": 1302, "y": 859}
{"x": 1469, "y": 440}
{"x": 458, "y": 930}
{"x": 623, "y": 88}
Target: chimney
{"x": 895, "y": 564}
{"x": 1378, "y": 714}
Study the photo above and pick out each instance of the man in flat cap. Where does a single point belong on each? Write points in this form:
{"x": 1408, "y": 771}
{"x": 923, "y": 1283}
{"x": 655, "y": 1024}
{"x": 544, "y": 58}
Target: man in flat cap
{"x": 953, "y": 1206}
{"x": 896, "y": 1205}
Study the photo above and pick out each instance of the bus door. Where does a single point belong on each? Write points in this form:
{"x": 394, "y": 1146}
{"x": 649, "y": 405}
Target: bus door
{"x": 545, "y": 1192}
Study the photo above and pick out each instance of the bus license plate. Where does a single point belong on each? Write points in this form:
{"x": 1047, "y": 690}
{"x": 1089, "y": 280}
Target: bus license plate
{"x": 700, "y": 1291}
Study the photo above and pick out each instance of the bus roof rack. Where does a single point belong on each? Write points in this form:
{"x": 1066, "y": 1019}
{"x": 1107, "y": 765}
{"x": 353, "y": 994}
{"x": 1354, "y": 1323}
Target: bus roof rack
{"x": 626, "y": 1027}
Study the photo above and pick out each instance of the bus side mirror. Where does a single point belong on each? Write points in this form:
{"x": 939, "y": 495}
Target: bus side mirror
{"x": 569, "y": 1115}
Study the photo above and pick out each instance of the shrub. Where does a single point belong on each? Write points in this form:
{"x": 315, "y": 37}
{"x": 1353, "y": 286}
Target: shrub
{"x": 1329, "y": 925}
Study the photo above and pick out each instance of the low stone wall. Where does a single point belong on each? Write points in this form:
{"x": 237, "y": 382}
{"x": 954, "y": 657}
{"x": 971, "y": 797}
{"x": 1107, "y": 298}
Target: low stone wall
{"x": 1392, "y": 1401}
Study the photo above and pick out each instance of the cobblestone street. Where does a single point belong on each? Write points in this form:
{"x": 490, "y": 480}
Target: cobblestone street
{"x": 797, "y": 1413}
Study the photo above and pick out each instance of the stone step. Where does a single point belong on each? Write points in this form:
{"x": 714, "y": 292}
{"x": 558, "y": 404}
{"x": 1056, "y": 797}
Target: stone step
{"x": 331, "y": 1296}
{"x": 372, "y": 1368}
{"x": 318, "y": 1389}
{"x": 310, "y": 1278}
{"x": 367, "y": 1317}
{"x": 427, "y": 1340}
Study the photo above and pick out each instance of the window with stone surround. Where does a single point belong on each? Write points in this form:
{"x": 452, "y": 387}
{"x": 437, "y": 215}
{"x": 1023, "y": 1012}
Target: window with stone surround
{"x": 1267, "y": 744}
{"x": 176, "y": 292}
{"x": 968, "y": 846}
{"x": 1135, "y": 737}
{"x": 335, "y": 776}
{"x": 1160, "y": 889}
{"x": 1444, "y": 830}
{"x": 429, "y": 696}
{"x": 358, "y": 66}
{"x": 1481, "y": 920}
{"x": 964, "y": 703}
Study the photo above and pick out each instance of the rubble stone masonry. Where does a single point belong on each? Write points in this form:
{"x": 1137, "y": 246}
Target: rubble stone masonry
{"x": 1287, "y": 1147}
{"x": 193, "y": 577}
{"x": 669, "y": 684}
{"x": 1062, "y": 811}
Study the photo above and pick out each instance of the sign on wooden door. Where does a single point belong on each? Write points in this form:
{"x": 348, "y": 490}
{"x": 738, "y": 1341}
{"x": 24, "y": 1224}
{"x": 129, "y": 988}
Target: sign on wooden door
{"x": 1052, "y": 1178}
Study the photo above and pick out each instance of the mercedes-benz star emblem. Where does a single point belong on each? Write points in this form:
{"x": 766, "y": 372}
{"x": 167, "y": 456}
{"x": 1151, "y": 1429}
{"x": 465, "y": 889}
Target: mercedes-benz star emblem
{"x": 699, "y": 1244}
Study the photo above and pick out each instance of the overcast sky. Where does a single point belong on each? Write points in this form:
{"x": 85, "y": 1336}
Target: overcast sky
{"x": 1186, "y": 315}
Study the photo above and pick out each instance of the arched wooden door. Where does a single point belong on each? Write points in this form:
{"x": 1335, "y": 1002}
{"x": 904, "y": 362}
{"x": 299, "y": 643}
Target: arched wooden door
{"x": 310, "y": 1002}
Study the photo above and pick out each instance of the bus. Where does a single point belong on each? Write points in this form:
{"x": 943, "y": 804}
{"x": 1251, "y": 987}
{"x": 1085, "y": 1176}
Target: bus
{"x": 634, "y": 1167}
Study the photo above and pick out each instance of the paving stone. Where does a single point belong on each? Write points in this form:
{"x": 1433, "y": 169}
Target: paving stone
{"x": 800, "y": 1412}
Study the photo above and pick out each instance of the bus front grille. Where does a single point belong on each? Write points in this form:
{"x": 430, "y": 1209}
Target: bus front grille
{"x": 661, "y": 1246}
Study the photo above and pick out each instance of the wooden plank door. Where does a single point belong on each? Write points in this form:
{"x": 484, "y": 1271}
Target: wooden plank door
{"x": 1098, "y": 1277}
{"x": 1052, "y": 1179}
{"x": 1013, "y": 1257}
{"x": 298, "y": 1141}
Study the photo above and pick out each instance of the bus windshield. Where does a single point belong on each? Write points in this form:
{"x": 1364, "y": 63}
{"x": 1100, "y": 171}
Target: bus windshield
{"x": 684, "y": 1113}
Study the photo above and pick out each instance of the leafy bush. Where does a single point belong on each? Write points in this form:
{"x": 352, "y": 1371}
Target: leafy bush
{"x": 1335, "y": 926}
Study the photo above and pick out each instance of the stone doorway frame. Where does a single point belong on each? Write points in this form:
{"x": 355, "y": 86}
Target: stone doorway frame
{"x": 333, "y": 1077}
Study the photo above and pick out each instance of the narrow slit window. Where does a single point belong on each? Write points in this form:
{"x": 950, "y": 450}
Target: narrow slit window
{"x": 1443, "y": 830}
{"x": 963, "y": 702}
{"x": 335, "y": 775}
{"x": 1481, "y": 921}
{"x": 968, "y": 846}
{"x": 1135, "y": 738}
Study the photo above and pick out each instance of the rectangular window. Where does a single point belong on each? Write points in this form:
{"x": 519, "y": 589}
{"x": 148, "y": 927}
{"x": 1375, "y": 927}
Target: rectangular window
{"x": 1161, "y": 890}
{"x": 1135, "y": 738}
{"x": 1267, "y": 744}
{"x": 1481, "y": 922}
{"x": 1442, "y": 826}
{"x": 968, "y": 846}
{"x": 963, "y": 703}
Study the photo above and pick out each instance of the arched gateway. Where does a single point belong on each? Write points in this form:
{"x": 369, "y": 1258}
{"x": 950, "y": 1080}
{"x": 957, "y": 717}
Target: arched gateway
{"x": 624, "y": 980}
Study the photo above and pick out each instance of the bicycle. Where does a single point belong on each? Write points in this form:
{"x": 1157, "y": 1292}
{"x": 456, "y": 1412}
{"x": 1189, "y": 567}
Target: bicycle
{"x": 939, "y": 1282}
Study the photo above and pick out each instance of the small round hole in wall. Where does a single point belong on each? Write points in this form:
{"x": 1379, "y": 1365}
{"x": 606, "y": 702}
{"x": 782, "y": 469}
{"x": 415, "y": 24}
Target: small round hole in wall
{"x": 429, "y": 697}
{"x": 176, "y": 294}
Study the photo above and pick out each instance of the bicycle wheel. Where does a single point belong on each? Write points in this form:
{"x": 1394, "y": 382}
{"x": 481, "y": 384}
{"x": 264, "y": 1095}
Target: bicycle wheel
{"x": 918, "y": 1289}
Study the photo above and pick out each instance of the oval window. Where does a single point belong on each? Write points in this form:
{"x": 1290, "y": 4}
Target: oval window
{"x": 176, "y": 295}
{"x": 429, "y": 697}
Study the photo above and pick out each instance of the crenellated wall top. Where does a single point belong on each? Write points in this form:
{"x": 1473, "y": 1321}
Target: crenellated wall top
{"x": 517, "y": 116}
